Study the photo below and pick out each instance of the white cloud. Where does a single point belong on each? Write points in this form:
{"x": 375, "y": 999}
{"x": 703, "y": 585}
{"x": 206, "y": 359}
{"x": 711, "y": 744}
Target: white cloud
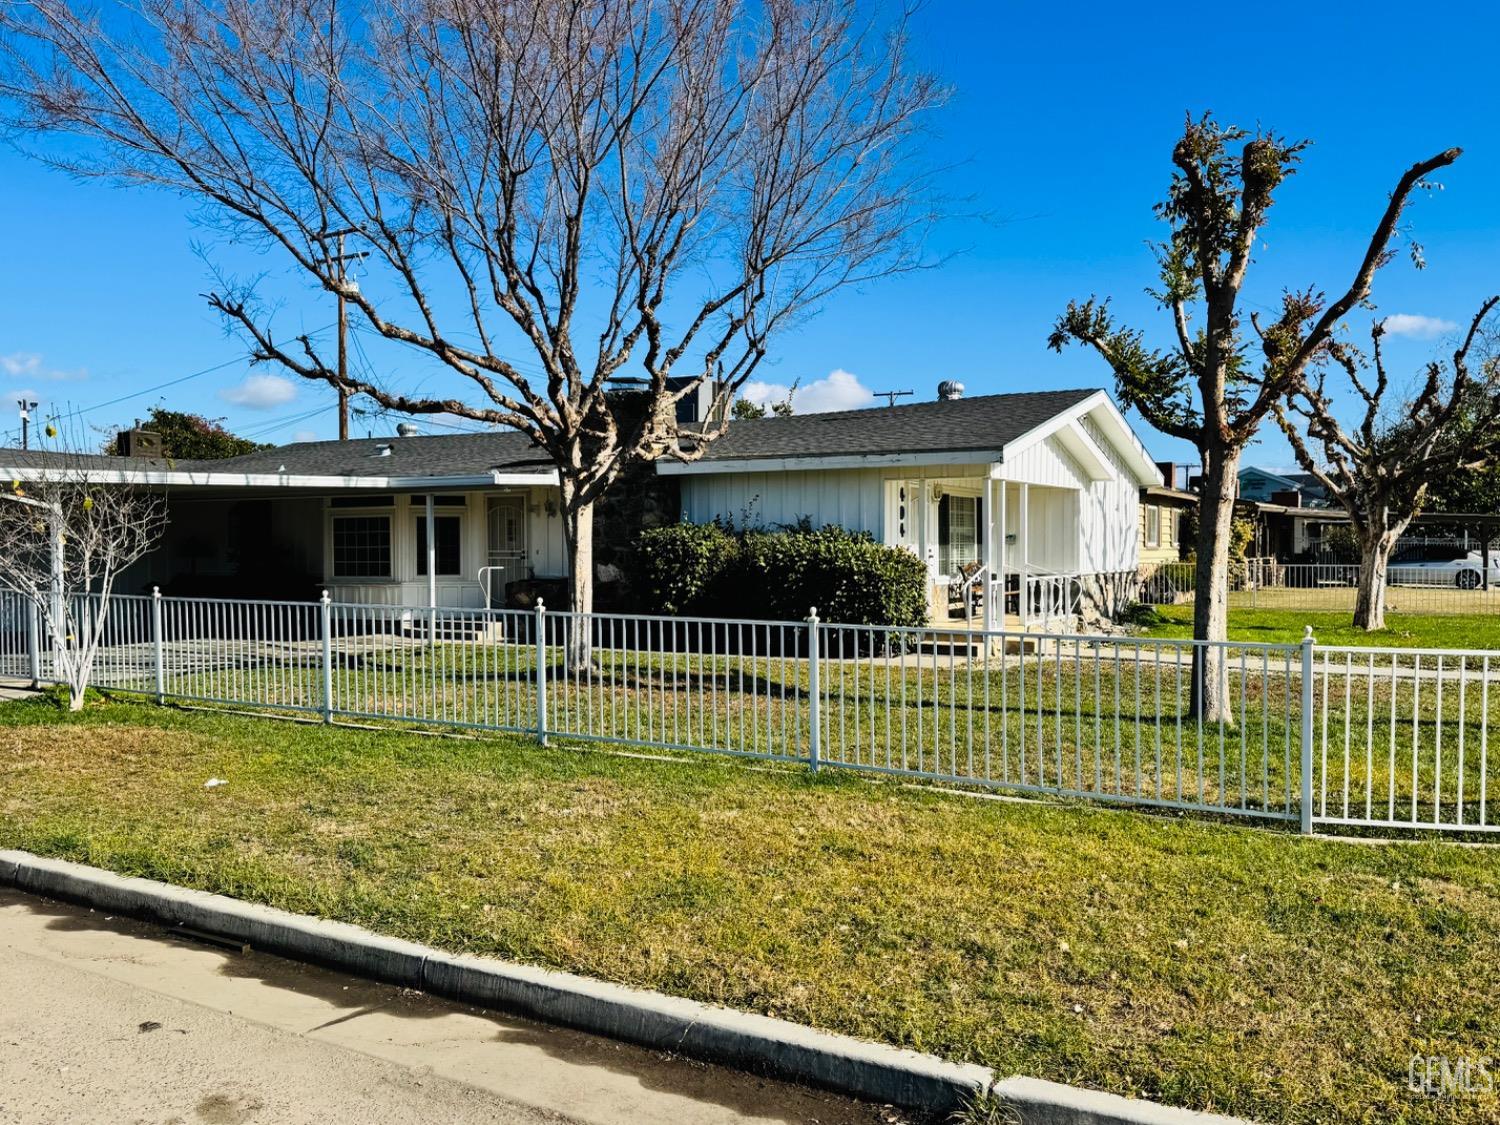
{"x": 261, "y": 392}
{"x": 838, "y": 391}
{"x": 1417, "y": 327}
{"x": 304, "y": 435}
{"x": 29, "y": 365}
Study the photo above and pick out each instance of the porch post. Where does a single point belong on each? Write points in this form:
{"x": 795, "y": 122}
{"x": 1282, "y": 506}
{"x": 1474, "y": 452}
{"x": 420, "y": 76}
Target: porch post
{"x": 431, "y": 570}
{"x": 997, "y": 572}
{"x": 1025, "y": 540}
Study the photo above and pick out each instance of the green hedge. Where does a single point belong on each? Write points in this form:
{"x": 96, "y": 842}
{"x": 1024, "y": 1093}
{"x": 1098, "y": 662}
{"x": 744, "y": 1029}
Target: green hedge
{"x": 710, "y": 570}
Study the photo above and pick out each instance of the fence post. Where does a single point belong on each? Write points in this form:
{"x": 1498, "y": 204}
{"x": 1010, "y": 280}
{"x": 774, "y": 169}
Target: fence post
{"x": 1307, "y": 730}
{"x": 156, "y": 645}
{"x": 34, "y": 641}
{"x": 815, "y": 716}
{"x": 325, "y": 615}
{"x": 541, "y": 671}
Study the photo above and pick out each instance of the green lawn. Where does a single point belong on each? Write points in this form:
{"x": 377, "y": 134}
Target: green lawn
{"x": 1242, "y": 970}
{"x": 1283, "y": 626}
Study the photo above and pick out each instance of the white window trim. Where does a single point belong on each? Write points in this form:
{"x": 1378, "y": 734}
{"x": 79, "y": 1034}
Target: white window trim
{"x": 385, "y": 513}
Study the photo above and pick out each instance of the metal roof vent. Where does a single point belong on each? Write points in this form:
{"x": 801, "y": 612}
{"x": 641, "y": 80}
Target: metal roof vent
{"x": 382, "y": 451}
{"x": 408, "y": 429}
{"x": 950, "y": 390}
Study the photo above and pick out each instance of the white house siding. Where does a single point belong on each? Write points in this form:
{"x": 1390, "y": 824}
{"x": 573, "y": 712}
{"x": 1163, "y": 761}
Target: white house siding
{"x": 1045, "y": 463}
{"x": 1076, "y": 524}
{"x": 1109, "y": 515}
{"x": 546, "y": 556}
{"x": 851, "y": 498}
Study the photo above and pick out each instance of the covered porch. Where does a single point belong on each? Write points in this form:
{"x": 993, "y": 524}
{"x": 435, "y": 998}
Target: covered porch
{"x": 999, "y": 553}
{"x": 470, "y": 548}
{"x": 1036, "y": 538}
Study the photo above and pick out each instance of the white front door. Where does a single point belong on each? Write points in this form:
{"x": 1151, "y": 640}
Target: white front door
{"x": 902, "y": 519}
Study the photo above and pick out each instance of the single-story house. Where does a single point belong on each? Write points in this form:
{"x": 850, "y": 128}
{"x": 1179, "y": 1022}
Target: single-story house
{"x": 1017, "y": 495}
{"x": 1037, "y": 488}
{"x": 1288, "y": 489}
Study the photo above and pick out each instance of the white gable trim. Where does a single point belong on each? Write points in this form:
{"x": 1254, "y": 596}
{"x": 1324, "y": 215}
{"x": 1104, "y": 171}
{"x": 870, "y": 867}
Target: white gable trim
{"x": 1111, "y": 422}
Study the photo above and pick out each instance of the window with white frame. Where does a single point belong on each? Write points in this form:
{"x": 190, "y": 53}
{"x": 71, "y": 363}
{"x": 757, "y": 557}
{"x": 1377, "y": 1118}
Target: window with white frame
{"x": 362, "y": 546}
{"x": 958, "y": 532}
{"x": 1153, "y": 526}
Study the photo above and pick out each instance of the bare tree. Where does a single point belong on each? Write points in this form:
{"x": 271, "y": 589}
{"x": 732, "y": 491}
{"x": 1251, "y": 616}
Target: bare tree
{"x": 66, "y": 533}
{"x": 602, "y": 187}
{"x": 1207, "y": 388}
{"x": 1380, "y": 471}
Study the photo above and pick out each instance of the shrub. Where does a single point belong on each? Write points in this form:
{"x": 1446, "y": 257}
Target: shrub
{"x": 679, "y": 566}
{"x": 779, "y": 575}
{"x": 849, "y": 577}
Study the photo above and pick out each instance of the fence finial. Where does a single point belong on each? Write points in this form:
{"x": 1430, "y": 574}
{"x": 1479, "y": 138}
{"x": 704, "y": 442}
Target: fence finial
{"x": 156, "y": 592}
{"x": 1308, "y": 634}
{"x": 541, "y": 606}
{"x": 327, "y": 597}
{"x": 812, "y": 613}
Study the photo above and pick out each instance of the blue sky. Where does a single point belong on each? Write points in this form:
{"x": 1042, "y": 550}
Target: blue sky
{"x": 1059, "y": 137}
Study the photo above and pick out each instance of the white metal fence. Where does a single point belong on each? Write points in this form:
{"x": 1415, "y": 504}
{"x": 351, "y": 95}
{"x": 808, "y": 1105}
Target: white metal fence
{"x": 1454, "y": 588}
{"x": 1321, "y": 736}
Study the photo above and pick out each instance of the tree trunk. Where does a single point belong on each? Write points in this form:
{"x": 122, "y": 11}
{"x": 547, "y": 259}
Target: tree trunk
{"x": 1210, "y": 685}
{"x": 1375, "y": 548}
{"x": 578, "y": 527}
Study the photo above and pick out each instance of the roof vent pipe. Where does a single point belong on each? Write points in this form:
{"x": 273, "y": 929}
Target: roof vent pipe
{"x": 950, "y": 390}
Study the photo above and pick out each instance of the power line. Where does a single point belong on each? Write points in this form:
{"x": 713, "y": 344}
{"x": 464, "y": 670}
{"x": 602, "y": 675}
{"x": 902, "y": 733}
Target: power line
{"x": 281, "y": 423}
{"x": 79, "y": 411}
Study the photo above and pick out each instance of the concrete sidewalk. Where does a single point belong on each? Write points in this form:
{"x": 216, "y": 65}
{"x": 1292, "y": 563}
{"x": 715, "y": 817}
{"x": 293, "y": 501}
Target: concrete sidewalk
{"x": 109, "y": 1020}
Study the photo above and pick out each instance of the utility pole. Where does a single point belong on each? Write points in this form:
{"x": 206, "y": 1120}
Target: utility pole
{"x": 26, "y": 409}
{"x": 337, "y": 261}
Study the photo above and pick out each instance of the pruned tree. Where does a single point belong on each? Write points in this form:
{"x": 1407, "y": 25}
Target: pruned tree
{"x": 587, "y": 189}
{"x": 1380, "y": 470}
{"x": 1209, "y": 387}
{"x": 66, "y": 533}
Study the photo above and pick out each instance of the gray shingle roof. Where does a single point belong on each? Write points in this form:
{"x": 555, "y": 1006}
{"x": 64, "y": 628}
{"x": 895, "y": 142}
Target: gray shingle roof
{"x": 47, "y": 458}
{"x": 439, "y": 455}
{"x": 983, "y": 423}
{"x": 443, "y": 455}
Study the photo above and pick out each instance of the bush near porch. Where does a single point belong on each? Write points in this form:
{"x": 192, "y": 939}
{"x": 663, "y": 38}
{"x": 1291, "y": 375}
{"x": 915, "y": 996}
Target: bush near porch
{"x": 1247, "y": 971}
{"x": 709, "y": 570}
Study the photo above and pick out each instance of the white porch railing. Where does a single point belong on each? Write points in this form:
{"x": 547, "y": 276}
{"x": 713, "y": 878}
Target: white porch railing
{"x": 1050, "y": 599}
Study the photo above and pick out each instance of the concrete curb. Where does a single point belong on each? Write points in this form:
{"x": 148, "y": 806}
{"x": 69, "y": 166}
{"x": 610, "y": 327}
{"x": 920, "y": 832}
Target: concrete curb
{"x": 872, "y": 1071}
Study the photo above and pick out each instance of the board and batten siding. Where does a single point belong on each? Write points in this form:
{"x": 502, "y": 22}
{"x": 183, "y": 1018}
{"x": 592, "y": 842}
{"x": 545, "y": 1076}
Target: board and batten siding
{"x": 1101, "y": 519}
{"x": 1109, "y": 515}
{"x": 850, "y": 498}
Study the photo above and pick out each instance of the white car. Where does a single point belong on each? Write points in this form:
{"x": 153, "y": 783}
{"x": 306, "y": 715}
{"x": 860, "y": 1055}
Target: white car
{"x": 1467, "y": 573}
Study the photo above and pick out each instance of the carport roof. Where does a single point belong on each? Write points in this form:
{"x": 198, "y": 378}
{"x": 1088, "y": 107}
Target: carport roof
{"x": 446, "y": 460}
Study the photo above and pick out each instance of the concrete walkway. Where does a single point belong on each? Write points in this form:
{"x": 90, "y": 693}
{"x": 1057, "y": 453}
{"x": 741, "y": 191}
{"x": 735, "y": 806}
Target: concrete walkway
{"x": 110, "y": 1020}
